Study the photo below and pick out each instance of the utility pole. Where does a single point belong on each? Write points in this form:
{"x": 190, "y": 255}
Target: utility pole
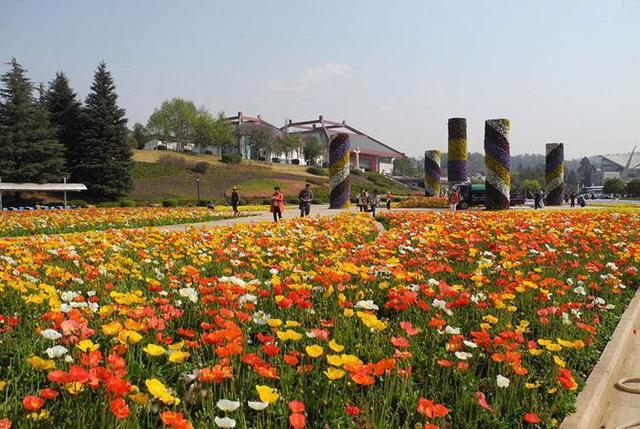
{"x": 0, "y": 196}
{"x": 64, "y": 179}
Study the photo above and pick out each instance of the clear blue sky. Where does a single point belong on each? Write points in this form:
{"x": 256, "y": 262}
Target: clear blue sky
{"x": 564, "y": 71}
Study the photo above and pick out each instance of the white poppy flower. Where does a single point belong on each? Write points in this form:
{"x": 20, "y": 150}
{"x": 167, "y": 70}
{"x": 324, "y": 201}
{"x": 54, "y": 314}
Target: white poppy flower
{"x": 502, "y": 381}
{"x": 56, "y": 351}
{"x": 257, "y": 405}
{"x": 260, "y": 318}
{"x": 227, "y": 405}
{"x": 224, "y": 422}
{"x": 451, "y": 330}
{"x": 367, "y": 305}
{"x": 463, "y": 355}
{"x": 470, "y": 344}
{"x": 51, "y": 334}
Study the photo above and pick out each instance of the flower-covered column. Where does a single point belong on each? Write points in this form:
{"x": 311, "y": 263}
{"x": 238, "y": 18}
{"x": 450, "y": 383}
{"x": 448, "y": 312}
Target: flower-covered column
{"x": 457, "y": 151}
{"x": 498, "y": 162}
{"x": 432, "y": 173}
{"x": 339, "y": 171}
{"x": 554, "y": 174}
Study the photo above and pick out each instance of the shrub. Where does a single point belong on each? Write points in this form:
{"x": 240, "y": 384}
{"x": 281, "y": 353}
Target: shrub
{"x": 77, "y": 203}
{"x": 275, "y": 160}
{"x": 318, "y": 171}
{"x": 202, "y": 203}
{"x": 357, "y": 172}
{"x": 201, "y": 167}
{"x": 295, "y": 161}
{"x": 109, "y": 204}
{"x": 231, "y": 158}
{"x": 176, "y": 161}
{"x": 170, "y": 203}
{"x": 127, "y": 203}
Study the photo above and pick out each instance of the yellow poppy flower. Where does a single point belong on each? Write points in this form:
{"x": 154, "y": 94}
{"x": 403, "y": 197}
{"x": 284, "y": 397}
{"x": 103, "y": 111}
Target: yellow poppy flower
{"x": 333, "y": 373}
{"x": 314, "y": 351}
{"x": 335, "y": 346}
{"x": 154, "y": 350}
{"x": 267, "y": 394}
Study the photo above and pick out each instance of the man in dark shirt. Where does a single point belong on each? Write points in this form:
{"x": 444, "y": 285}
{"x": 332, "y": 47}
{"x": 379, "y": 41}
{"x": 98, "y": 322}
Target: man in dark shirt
{"x": 235, "y": 200}
{"x": 305, "y": 196}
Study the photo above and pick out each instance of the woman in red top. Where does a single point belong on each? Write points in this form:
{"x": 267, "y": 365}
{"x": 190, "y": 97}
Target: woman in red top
{"x": 277, "y": 204}
{"x": 454, "y": 199}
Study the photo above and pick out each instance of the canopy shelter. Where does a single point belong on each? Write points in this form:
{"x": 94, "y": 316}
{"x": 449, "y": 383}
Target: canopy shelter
{"x": 41, "y": 187}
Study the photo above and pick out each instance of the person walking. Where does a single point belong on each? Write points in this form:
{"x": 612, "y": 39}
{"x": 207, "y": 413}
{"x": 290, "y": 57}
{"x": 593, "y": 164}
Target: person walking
{"x": 389, "y": 198}
{"x": 536, "y": 200}
{"x": 374, "y": 200}
{"x": 305, "y": 196}
{"x": 363, "y": 202}
{"x": 235, "y": 200}
{"x": 454, "y": 199}
{"x": 277, "y": 204}
{"x": 572, "y": 198}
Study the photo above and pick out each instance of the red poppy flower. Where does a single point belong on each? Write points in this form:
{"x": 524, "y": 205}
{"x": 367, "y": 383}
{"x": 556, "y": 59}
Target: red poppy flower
{"x": 32, "y": 403}
{"x": 352, "y": 410}
{"x": 296, "y": 406}
{"x": 48, "y": 393}
{"x": 532, "y": 418}
{"x": 119, "y": 408}
{"x": 5, "y": 423}
{"x": 297, "y": 421}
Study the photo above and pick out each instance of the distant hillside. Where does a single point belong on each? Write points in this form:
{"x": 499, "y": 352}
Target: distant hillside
{"x": 162, "y": 175}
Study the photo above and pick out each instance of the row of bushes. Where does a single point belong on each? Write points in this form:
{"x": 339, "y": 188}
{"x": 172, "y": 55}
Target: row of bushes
{"x": 199, "y": 167}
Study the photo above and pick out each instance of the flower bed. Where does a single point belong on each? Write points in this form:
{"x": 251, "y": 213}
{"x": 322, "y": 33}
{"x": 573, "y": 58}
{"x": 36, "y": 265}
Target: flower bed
{"x": 424, "y": 202}
{"x": 61, "y": 221}
{"x": 474, "y": 320}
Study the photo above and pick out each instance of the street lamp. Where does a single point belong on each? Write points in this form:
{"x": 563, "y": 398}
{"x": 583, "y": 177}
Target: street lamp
{"x": 198, "y": 188}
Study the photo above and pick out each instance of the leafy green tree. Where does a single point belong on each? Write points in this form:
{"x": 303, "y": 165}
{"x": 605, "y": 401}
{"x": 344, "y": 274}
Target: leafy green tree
{"x": 104, "y": 157}
{"x": 404, "y": 167}
{"x": 174, "y": 120}
{"x": 140, "y": 135}
{"x": 64, "y": 112}
{"x": 29, "y": 150}
{"x": 530, "y": 184}
{"x": 286, "y": 144}
{"x": 633, "y": 188}
{"x": 210, "y": 131}
{"x": 613, "y": 186}
{"x": 263, "y": 140}
{"x": 312, "y": 149}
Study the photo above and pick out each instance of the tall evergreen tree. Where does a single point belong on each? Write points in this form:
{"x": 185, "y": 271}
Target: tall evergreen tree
{"x": 103, "y": 156}
{"x": 64, "y": 113}
{"x": 29, "y": 151}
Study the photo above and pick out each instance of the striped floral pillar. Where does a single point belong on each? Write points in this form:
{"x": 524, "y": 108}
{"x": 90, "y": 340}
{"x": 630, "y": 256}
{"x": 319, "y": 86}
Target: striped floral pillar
{"x": 498, "y": 162}
{"x": 339, "y": 171}
{"x": 432, "y": 173}
{"x": 554, "y": 174}
{"x": 457, "y": 151}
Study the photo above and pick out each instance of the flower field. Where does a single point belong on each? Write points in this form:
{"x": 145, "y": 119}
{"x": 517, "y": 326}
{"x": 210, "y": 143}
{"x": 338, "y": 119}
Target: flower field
{"x": 424, "y": 202}
{"x": 467, "y": 320}
{"x": 61, "y": 221}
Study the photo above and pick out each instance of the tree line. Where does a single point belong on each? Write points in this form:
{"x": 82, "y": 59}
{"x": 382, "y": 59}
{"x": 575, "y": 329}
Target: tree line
{"x": 179, "y": 121}
{"x": 527, "y": 170}
{"x": 46, "y": 133}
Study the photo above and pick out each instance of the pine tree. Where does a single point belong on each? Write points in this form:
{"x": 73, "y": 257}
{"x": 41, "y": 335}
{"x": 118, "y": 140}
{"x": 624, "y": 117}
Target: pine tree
{"x": 64, "y": 113}
{"x": 103, "y": 156}
{"x": 29, "y": 151}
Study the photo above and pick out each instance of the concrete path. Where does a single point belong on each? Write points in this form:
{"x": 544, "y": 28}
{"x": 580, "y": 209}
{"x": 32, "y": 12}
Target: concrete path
{"x": 601, "y": 405}
{"x": 291, "y": 212}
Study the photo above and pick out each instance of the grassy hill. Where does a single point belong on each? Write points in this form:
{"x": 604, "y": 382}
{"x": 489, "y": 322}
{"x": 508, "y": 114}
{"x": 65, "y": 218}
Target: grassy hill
{"x": 160, "y": 175}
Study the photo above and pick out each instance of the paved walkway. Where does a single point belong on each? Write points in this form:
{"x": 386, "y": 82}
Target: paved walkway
{"x": 263, "y": 216}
